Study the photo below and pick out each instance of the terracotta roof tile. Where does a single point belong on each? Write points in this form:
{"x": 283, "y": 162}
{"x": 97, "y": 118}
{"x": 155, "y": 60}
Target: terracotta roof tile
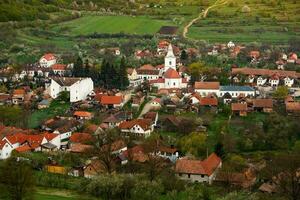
{"x": 239, "y": 107}
{"x": 263, "y": 103}
{"x": 171, "y": 73}
{"x": 82, "y": 114}
{"x": 207, "y": 85}
{"x": 106, "y": 100}
{"x": 81, "y": 138}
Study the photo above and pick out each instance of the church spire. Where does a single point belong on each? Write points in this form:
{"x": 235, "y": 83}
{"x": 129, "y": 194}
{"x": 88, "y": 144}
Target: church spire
{"x": 170, "y": 51}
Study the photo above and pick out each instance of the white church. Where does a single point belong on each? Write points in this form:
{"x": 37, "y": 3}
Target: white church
{"x": 169, "y": 77}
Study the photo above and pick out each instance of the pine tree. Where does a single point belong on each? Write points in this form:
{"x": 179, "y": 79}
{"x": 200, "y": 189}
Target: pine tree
{"x": 78, "y": 68}
{"x": 124, "y": 82}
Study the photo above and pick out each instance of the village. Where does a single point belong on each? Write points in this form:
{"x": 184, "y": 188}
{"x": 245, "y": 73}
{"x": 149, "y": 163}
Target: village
{"x": 164, "y": 116}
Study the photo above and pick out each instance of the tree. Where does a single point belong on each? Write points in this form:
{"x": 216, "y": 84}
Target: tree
{"x": 219, "y": 150}
{"x": 281, "y": 92}
{"x": 183, "y": 55}
{"x": 78, "y": 70}
{"x": 124, "y": 82}
{"x": 285, "y": 169}
{"x": 147, "y": 190}
{"x": 197, "y": 71}
{"x": 194, "y": 143}
{"x": 17, "y": 180}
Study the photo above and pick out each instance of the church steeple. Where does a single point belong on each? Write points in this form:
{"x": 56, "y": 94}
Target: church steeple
{"x": 170, "y": 59}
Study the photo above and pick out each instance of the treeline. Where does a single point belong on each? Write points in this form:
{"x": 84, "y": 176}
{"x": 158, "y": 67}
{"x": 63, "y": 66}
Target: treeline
{"x": 111, "y": 74}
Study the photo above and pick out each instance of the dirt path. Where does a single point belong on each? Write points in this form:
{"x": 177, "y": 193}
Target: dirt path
{"x": 202, "y": 14}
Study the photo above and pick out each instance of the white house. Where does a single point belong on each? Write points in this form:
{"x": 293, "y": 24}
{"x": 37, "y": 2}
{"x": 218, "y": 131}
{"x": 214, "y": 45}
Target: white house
{"x": 138, "y": 127}
{"x": 134, "y": 79}
{"x": 260, "y": 81}
{"x": 230, "y": 45}
{"x": 198, "y": 171}
{"x": 170, "y": 153}
{"x": 288, "y": 81}
{"x": 79, "y": 88}
{"x": 147, "y": 72}
{"x": 47, "y": 60}
{"x": 274, "y": 80}
{"x": 236, "y": 91}
{"x": 205, "y": 88}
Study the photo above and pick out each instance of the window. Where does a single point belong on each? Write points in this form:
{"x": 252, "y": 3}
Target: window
{"x": 170, "y": 63}
{"x": 174, "y": 83}
{"x": 180, "y": 174}
{"x": 202, "y": 176}
{"x": 189, "y": 176}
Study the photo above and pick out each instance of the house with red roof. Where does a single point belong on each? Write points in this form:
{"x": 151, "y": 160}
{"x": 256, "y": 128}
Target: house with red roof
{"x": 47, "y": 60}
{"x": 59, "y": 69}
{"x": 83, "y": 115}
{"x": 138, "y": 127}
{"x": 18, "y": 96}
{"x": 197, "y": 170}
{"x": 112, "y": 101}
{"x": 205, "y": 88}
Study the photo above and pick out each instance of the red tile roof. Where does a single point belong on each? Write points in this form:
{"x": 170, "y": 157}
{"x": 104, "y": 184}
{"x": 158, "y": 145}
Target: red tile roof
{"x": 159, "y": 80}
{"x": 263, "y": 103}
{"x": 207, "y": 85}
{"x": 147, "y": 67}
{"x": 81, "y": 138}
{"x": 206, "y": 167}
{"x": 24, "y": 148}
{"x": 58, "y": 67}
{"x": 19, "y": 92}
{"x": 208, "y": 101}
{"x": 49, "y": 56}
{"x": 292, "y": 106}
{"x": 239, "y": 107}
{"x": 145, "y": 124}
{"x": 82, "y": 114}
{"x": 107, "y": 100}
{"x": 171, "y": 73}
{"x": 80, "y": 148}
{"x": 265, "y": 72}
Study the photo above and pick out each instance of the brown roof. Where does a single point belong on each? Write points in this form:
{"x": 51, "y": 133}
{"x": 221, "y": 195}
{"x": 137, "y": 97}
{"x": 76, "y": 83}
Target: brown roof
{"x": 106, "y": 100}
{"x": 82, "y": 114}
{"x": 80, "y": 148}
{"x": 207, "y": 85}
{"x": 208, "y": 101}
{"x": 143, "y": 123}
{"x": 168, "y": 30}
{"x": 167, "y": 149}
{"x": 263, "y": 103}
{"x": 81, "y": 138}
{"x": 150, "y": 115}
{"x": 293, "y": 106}
{"x": 66, "y": 81}
{"x": 19, "y": 92}
{"x": 265, "y": 72}
{"x": 129, "y": 70}
{"x": 239, "y": 107}
{"x": 58, "y": 67}
{"x": 205, "y": 167}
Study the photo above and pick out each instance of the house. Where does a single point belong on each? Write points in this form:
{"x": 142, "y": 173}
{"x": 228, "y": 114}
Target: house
{"x": 292, "y": 107}
{"x": 236, "y": 91}
{"x": 170, "y": 153}
{"x": 78, "y": 88}
{"x": 292, "y": 58}
{"x": 288, "y": 81}
{"x": 155, "y": 104}
{"x": 274, "y": 80}
{"x": 138, "y": 127}
{"x": 82, "y": 138}
{"x": 134, "y": 154}
{"x": 47, "y": 60}
{"x": 116, "y": 119}
{"x": 227, "y": 98}
{"x": 147, "y": 72}
{"x": 93, "y": 168}
{"x": 153, "y": 116}
{"x": 261, "y": 81}
{"x": 117, "y": 147}
{"x": 198, "y": 171}
{"x": 254, "y": 54}
{"x": 205, "y": 88}
{"x": 5, "y": 99}
{"x": 80, "y": 148}
{"x": 230, "y": 45}
{"x": 265, "y": 105}
{"x": 134, "y": 79}
{"x": 162, "y": 47}
{"x": 171, "y": 123}
{"x": 59, "y": 69}
{"x": 63, "y": 127}
{"x": 168, "y": 31}
{"x": 45, "y": 103}
{"x": 209, "y": 100}
{"x": 195, "y": 98}
{"x": 239, "y": 108}
{"x": 83, "y": 115}
{"x": 112, "y": 101}
{"x": 18, "y": 96}
{"x": 138, "y": 99}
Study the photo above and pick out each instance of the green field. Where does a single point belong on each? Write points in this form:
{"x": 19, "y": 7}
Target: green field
{"x": 265, "y": 21}
{"x": 113, "y": 24}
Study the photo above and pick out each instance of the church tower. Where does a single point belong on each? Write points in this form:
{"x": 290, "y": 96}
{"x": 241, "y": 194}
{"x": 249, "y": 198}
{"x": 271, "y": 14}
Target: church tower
{"x": 170, "y": 59}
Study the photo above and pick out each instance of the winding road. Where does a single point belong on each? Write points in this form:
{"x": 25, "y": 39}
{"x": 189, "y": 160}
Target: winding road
{"x": 202, "y": 14}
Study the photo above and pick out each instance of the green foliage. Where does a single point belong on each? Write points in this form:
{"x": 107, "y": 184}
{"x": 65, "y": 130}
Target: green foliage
{"x": 10, "y": 116}
{"x": 281, "y": 92}
{"x": 194, "y": 143}
{"x": 17, "y": 181}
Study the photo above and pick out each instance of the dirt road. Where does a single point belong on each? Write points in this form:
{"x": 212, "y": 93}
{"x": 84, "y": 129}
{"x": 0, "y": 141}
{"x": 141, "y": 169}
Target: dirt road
{"x": 201, "y": 15}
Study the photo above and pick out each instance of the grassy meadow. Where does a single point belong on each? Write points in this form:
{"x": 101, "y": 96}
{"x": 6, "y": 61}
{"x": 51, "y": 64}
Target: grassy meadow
{"x": 112, "y": 24}
{"x": 262, "y": 21}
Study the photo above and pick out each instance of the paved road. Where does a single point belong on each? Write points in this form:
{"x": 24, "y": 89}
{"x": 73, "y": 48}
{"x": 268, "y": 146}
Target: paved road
{"x": 202, "y": 14}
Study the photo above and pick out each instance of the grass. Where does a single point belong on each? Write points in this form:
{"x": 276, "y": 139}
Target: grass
{"x": 58, "y": 194}
{"x": 113, "y": 24}
{"x": 55, "y": 108}
{"x": 266, "y": 22}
